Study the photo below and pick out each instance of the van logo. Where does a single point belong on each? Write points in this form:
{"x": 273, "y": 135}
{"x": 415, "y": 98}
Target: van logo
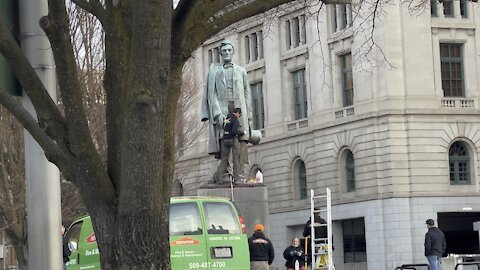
{"x": 91, "y": 238}
{"x": 184, "y": 241}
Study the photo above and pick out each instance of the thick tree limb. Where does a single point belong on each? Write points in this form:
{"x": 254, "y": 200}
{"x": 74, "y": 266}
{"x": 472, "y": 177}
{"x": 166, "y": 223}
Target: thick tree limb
{"x": 56, "y": 27}
{"x": 208, "y": 8}
{"x": 87, "y": 171}
{"x": 45, "y": 107}
{"x": 93, "y": 6}
{"x": 204, "y": 19}
{"x": 52, "y": 150}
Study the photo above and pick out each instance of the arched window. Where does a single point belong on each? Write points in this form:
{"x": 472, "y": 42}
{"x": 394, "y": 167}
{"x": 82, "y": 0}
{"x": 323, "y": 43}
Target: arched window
{"x": 350, "y": 171}
{"x": 300, "y": 180}
{"x": 459, "y": 163}
{"x": 255, "y": 175}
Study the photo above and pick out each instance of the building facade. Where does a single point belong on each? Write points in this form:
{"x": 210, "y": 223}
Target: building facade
{"x": 386, "y": 117}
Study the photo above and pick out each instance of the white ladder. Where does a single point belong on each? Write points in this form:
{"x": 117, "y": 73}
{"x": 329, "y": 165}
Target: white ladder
{"x": 328, "y": 240}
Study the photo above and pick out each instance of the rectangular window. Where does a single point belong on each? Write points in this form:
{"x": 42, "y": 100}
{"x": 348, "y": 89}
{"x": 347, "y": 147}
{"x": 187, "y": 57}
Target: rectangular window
{"x": 300, "y": 94}
{"x": 340, "y": 14}
{"x": 448, "y": 8}
{"x": 354, "y": 244}
{"x": 257, "y": 106}
{"x": 433, "y": 8}
{"x": 213, "y": 56}
{"x": 347, "y": 79}
{"x": 247, "y": 49}
{"x": 350, "y": 14}
{"x": 463, "y": 8}
{"x": 210, "y": 57}
{"x": 343, "y": 18}
{"x": 288, "y": 34}
{"x": 451, "y": 59}
{"x": 260, "y": 44}
{"x": 303, "y": 29}
{"x": 253, "y": 47}
{"x": 295, "y": 32}
{"x": 216, "y": 55}
{"x": 334, "y": 18}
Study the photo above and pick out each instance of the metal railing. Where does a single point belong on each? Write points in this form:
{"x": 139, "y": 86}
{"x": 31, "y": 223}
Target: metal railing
{"x": 412, "y": 266}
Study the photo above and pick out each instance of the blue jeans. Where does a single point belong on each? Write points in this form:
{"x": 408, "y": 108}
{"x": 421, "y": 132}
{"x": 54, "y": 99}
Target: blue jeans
{"x": 434, "y": 262}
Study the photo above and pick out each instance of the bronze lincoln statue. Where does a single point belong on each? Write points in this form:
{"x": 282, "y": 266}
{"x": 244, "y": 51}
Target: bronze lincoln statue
{"x": 227, "y": 88}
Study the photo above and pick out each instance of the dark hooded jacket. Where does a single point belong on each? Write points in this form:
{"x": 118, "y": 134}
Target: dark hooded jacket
{"x": 261, "y": 248}
{"x": 232, "y": 127}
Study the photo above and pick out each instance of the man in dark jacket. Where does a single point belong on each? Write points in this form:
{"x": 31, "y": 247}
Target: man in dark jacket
{"x": 231, "y": 132}
{"x": 66, "y": 250}
{"x": 435, "y": 245}
{"x": 261, "y": 249}
{"x": 320, "y": 232}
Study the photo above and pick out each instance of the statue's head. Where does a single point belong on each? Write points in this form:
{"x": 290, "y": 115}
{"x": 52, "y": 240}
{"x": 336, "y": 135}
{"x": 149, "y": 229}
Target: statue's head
{"x": 227, "y": 50}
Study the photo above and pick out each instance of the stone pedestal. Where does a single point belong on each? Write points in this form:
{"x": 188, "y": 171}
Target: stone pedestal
{"x": 251, "y": 201}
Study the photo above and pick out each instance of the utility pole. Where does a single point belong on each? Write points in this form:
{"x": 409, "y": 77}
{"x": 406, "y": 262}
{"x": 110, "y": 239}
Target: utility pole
{"x": 43, "y": 178}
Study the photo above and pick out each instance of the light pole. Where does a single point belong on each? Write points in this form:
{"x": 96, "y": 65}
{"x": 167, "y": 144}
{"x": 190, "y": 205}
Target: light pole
{"x": 43, "y": 181}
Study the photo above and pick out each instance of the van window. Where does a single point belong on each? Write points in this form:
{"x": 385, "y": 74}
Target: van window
{"x": 73, "y": 234}
{"x": 220, "y": 218}
{"x": 185, "y": 219}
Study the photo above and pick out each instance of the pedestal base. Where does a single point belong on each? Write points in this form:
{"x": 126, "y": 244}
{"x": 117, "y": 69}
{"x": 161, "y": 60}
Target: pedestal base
{"x": 251, "y": 201}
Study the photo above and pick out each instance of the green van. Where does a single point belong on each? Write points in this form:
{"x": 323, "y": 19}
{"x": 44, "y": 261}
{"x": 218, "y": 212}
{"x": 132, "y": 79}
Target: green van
{"x": 205, "y": 233}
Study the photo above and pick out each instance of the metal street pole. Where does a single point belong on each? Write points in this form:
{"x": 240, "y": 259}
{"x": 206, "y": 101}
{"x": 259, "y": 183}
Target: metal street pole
{"x": 43, "y": 180}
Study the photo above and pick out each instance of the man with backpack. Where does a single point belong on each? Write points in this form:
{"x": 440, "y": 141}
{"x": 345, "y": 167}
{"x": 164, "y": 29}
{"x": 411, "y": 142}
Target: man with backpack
{"x": 230, "y": 143}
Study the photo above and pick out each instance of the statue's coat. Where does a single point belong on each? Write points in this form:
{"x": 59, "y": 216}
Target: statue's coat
{"x": 214, "y": 97}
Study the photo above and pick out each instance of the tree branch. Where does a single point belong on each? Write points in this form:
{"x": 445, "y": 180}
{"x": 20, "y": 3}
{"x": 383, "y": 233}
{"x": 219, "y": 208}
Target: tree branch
{"x": 57, "y": 28}
{"x": 45, "y": 107}
{"x": 52, "y": 150}
{"x": 208, "y": 8}
{"x": 92, "y": 173}
{"x": 93, "y": 6}
{"x": 204, "y": 19}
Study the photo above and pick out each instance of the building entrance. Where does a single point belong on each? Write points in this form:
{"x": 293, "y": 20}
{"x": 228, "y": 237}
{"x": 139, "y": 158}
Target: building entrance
{"x": 459, "y": 233}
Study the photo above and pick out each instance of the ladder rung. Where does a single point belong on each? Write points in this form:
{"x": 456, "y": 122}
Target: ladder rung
{"x": 319, "y": 253}
{"x": 320, "y": 196}
{"x": 319, "y": 225}
{"x": 320, "y": 211}
{"x": 319, "y": 239}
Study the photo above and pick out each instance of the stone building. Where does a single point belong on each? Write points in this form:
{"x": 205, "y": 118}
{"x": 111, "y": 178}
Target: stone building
{"x": 388, "y": 121}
